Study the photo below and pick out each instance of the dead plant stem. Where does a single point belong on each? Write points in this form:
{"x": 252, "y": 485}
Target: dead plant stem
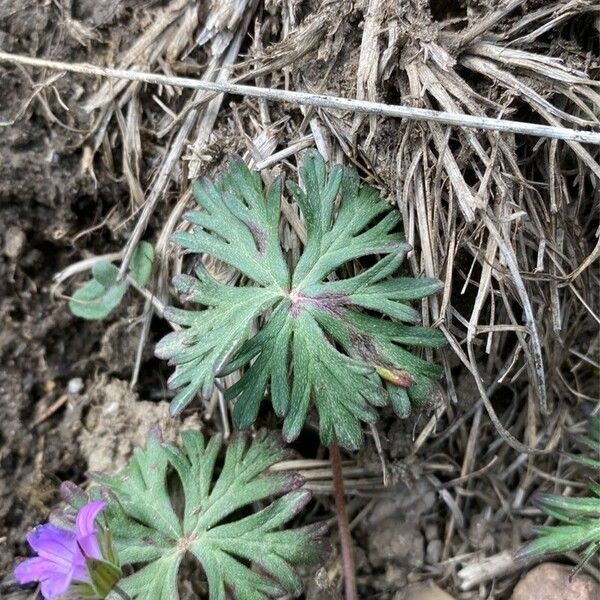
{"x": 316, "y": 100}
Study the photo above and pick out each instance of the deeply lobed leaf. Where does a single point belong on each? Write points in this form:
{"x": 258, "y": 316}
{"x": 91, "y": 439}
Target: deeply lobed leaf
{"x": 328, "y": 335}
{"x": 149, "y": 534}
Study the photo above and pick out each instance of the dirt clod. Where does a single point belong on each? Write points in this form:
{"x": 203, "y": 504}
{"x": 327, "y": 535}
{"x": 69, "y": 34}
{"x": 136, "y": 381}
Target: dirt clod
{"x": 118, "y": 421}
{"x": 396, "y": 541}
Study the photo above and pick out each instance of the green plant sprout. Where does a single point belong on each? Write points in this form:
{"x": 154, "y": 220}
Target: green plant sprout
{"x": 329, "y": 333}
{"x": 578, "y": 519}
{"x": 98, "y": 297}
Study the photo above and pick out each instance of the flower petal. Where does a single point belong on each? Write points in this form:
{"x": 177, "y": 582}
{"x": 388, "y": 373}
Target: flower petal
{"x": 55, "y": 578}
{"x": 86, "y": 517}
{"x": 55, "y": 586}
{"x": 88, "y": 545}
{"x": 86, "y": 531}
{"x": 80, "y": 569}
{"x": 37, "y": 569}
{"x": 53, "y": 543}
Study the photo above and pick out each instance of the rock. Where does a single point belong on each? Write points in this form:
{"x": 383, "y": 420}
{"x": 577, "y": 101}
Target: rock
{"x": 14, "y": 241}
{"x": 396, "y": 541}
{"x": 118, "y": 421}
{"x": 550, "y": 581}
{"x": 423, "y": 591}
{"x": 75, "y": 385}
{"x": 434, "y": 552}
{"x": 395, "y": 578}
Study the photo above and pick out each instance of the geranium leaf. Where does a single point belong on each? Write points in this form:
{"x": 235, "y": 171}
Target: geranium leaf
{"x": 148, "y": 534}
{"x": 327, "y": 329}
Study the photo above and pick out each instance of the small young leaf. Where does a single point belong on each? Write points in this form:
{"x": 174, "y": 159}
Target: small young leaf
{"x": 141, "y": 262}
{"x": 105, "y": 272}
{"x": 97, "y": 298}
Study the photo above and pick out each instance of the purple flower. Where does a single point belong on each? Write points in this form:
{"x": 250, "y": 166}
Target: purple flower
{"x": 62, "y": 553}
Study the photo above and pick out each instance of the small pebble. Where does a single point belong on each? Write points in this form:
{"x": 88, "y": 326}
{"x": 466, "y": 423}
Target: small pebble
{"x": 14, "y": 241}
{"x": 423, "y": 591}
{"x": 75, "y": 385}
{"x": 394, "y": 578}
{"x": 433, "y": 554}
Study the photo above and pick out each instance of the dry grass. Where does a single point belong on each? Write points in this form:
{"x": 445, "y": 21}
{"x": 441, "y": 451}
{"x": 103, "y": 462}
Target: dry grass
{"x": 509, "y": 223}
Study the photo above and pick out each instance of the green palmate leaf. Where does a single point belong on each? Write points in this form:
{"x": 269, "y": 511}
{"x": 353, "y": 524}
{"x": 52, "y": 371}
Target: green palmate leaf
{"x": 98, "y": 297}
{"x": 578, "y": 518}
{"x": 249, "y": 557}
{"x": 331, "y": 333}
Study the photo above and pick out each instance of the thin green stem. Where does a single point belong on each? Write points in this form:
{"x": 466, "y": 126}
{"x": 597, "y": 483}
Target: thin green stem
{"x": 122, "y": 594}
{"x": 343, "y": 525}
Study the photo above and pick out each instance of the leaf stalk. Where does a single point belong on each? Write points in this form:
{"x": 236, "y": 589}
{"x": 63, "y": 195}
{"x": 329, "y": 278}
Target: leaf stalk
{"x": 343, "y": 525}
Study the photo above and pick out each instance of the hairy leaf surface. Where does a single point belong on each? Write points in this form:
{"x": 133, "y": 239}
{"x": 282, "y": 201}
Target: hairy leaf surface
{"x": 331, "y": 333}
{"x": 245, "y": 553}
{"x": 577, "y": 519}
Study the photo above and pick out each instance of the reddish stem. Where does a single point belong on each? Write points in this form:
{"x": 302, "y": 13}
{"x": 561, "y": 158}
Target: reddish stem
{"x": 343, "y": 525}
